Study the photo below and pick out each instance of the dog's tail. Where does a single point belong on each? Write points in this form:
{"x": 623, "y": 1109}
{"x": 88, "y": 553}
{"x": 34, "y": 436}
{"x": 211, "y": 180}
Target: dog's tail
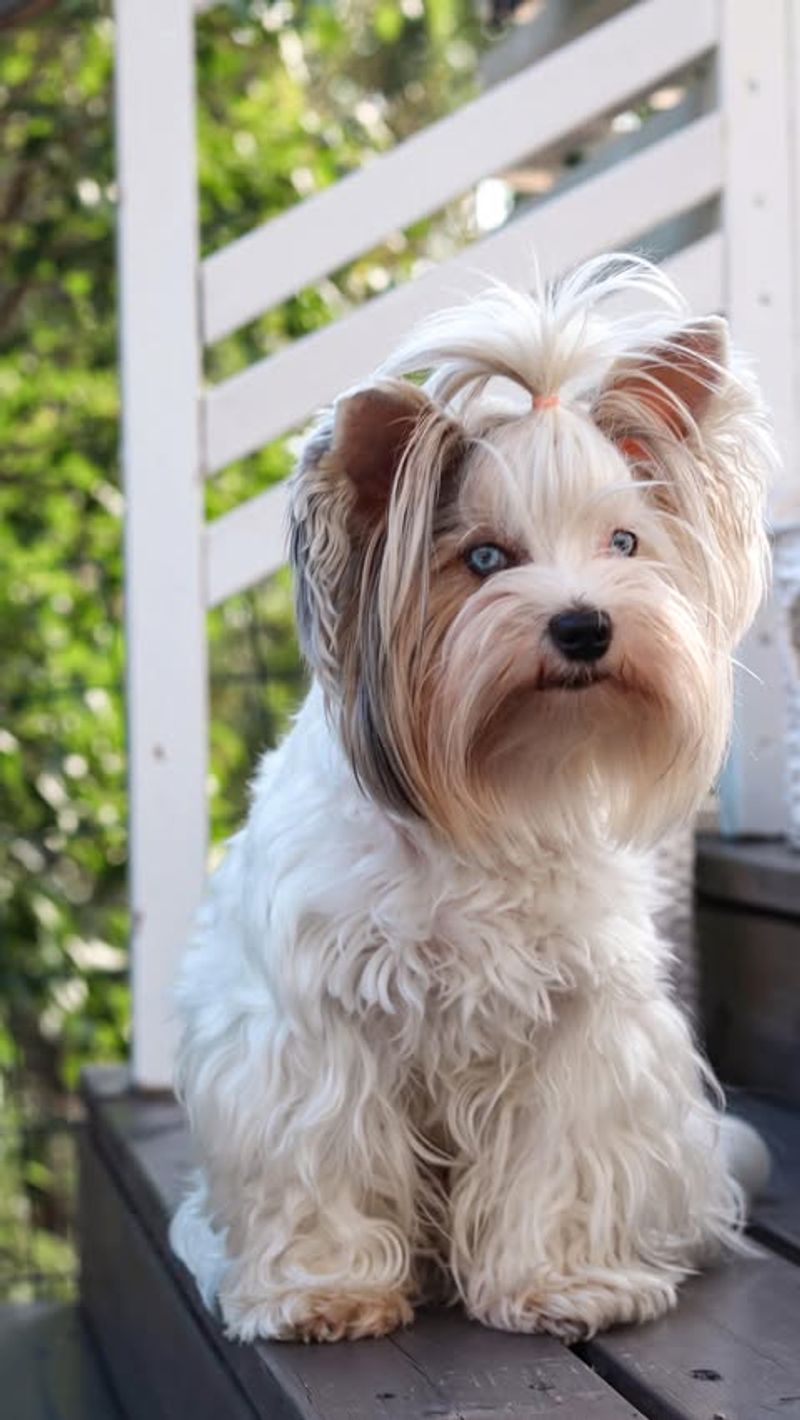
{"x": 746, "y": 1155}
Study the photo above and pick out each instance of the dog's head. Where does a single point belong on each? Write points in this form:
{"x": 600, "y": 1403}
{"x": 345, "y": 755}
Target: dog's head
{"x": 530, "y": 611}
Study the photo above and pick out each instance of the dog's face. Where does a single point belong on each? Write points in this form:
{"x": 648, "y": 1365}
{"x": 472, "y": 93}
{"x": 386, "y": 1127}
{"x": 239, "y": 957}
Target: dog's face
{"x": 527, "y": 617}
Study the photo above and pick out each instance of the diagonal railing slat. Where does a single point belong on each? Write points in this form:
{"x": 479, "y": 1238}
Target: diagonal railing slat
{"x": 602, "y": 213}
{"x": 249, "y": 543}
{"x": 544, "y": 103}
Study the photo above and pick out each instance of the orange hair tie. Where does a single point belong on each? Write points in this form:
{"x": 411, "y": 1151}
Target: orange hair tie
{"x": 545, "y": 401}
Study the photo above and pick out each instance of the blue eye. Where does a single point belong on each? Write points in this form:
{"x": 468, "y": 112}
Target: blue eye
{"x": 486, "y": 558}
{"x": 624, "y": 542}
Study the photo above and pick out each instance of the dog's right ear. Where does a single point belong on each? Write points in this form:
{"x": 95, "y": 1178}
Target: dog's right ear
{"x": 340, "y": 495}
{"x": 372, "y": 430}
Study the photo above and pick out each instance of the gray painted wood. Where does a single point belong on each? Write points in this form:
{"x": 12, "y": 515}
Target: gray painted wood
{"x": 48, "y": 1368}
{"x": 444, "y": 1366}
{"x": 450, "y": 1368}
{"x": 157, "y": 1356}
{"x": 482, "y": 1367}
{"x": 731, "y": 1350}
{"x": 762, "y": 874}
{"x": 776, "y": 1214}
{"x": 750, "y": 998}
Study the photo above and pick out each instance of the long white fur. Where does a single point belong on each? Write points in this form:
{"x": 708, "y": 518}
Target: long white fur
{"x": 368, "y": 1005}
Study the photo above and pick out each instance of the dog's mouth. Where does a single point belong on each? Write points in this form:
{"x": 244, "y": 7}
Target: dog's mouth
{"x": 582, "y": 679}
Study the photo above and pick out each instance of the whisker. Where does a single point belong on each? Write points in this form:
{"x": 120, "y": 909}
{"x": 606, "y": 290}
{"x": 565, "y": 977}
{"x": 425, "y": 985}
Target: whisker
{"x": 740, "y": 666}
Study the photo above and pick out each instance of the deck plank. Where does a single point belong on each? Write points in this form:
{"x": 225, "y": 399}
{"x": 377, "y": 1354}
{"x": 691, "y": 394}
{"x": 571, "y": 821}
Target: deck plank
{"x": 48, "y": 1369}
{"x": 451, "y": 1368}
{"x": 761, "y": 874}
{"x": 729, "y": 1352}
{"x": 483, "y": 1376}
{"x": 750, "y": 986}
{"x": 444, "y": 1366}
{"x": 161, "y": 1363}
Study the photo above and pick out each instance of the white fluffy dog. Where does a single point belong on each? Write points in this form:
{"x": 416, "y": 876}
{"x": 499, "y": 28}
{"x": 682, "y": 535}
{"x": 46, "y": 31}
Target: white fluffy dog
{"x": 427, "y": 1030}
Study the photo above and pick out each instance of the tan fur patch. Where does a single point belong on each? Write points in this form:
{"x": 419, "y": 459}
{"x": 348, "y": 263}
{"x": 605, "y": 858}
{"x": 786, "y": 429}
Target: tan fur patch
{"x": 352, "y": 1316}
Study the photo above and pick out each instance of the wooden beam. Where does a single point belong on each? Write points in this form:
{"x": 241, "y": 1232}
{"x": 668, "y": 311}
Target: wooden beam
{"x": 759, "y": 75}
{"x": 165, "y": 596}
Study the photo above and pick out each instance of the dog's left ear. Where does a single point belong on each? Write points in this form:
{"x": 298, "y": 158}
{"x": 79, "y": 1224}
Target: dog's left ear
{"x": 665, "y": 390}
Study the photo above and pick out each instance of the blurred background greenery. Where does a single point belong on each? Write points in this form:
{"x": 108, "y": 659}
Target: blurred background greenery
{"x": 291, "y": 96}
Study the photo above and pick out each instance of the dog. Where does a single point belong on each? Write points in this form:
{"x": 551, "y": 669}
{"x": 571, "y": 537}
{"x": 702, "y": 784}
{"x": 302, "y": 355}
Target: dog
{"x": 428, "y": 1040}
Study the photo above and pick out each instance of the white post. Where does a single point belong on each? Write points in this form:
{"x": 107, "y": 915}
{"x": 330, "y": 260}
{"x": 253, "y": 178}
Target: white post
{"x": 759, "y": 223}
{"x": 165, "y": 602}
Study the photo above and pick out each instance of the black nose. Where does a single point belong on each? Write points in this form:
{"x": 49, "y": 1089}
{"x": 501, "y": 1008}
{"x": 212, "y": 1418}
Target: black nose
{"x": 583, "y": 634}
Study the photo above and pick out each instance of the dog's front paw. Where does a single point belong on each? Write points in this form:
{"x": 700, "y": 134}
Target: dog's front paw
{"x": 576, "y": 1307}
{"x": 351, "y": 1316}
{"x": 315, "y": 1316}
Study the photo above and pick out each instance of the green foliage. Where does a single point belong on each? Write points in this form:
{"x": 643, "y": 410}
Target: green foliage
{"x": 291, "y": 98}
{"x": 37, "y": 1177}
{"x": 62, "y": 850}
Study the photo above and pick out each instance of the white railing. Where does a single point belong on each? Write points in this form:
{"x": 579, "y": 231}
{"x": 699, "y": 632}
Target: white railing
{"x": 526, "y": 113}
{"x": 672, "y": 176}
{"x": 742, "y": 150}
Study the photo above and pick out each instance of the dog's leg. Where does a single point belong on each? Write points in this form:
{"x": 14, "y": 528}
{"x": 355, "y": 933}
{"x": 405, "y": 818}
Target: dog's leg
{"x": 317, "y": 1267}
{"x": 597, "y": 1181}
{"x": 303, "y": 1219}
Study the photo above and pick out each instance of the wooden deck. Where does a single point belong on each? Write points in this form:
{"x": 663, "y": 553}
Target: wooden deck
{"x": 48, "y": 1366}
{"x": 748, "y": 926}
{"x": 730, "y": 1352}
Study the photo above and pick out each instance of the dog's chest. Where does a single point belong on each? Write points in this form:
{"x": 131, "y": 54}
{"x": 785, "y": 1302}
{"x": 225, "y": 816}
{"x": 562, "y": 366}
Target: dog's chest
{"x": 451, "y": 970}
{"x": 439, "y": 958}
